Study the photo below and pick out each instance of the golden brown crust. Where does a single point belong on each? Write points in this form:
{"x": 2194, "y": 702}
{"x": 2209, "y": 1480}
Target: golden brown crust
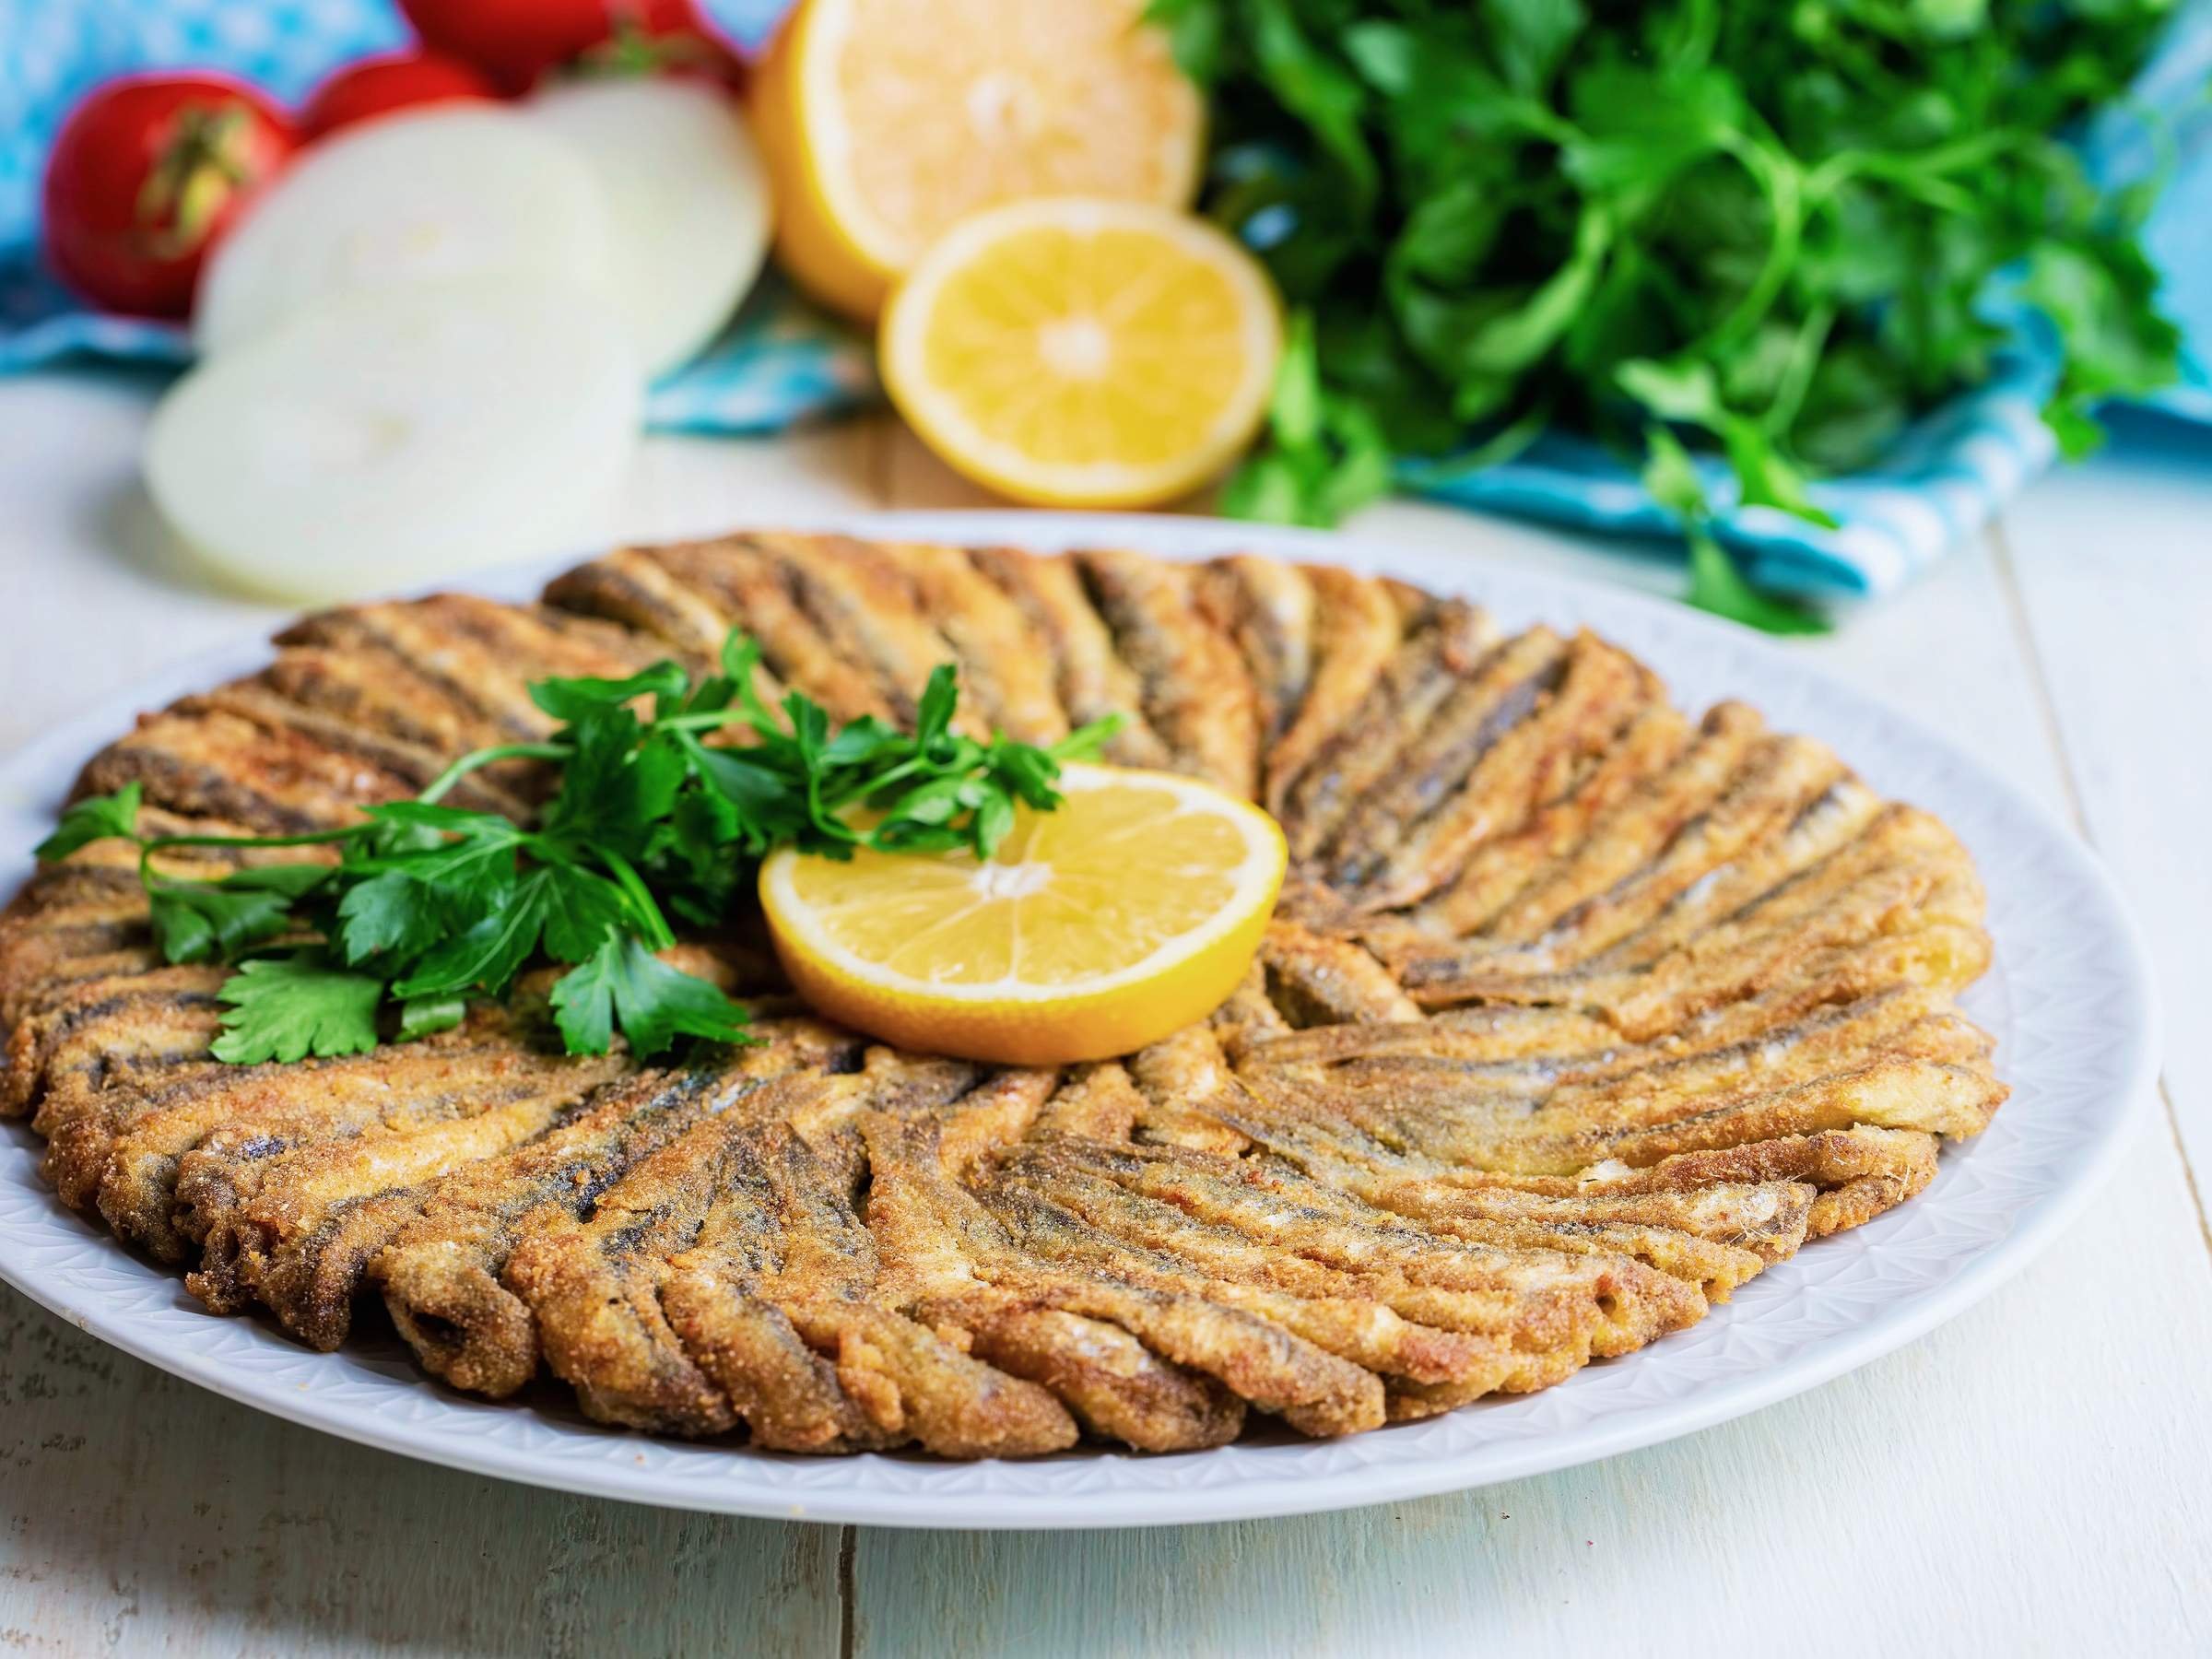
{"x": 1575, "y": 1016}
{"x": 1449, "y": 643}
{"x": 1095, "y": 684}
{"x": 1191, "y": 680}
{"x": 1356, "y": 627}
{"x": 1005, "y": 664}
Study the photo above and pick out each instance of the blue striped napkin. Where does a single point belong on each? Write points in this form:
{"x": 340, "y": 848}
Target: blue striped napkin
{"x": 780, "y": 362}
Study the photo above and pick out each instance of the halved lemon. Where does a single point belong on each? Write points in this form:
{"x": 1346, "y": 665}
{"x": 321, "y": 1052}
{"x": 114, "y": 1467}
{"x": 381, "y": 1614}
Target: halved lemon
{"x": 1122, "y": 916}
{"x": 1073, "y": 352}
{"x": 885, "y": 122}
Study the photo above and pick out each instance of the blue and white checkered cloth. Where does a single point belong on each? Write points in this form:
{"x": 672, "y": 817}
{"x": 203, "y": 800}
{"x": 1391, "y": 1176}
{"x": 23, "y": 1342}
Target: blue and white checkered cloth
{"x": 782, "y": 362}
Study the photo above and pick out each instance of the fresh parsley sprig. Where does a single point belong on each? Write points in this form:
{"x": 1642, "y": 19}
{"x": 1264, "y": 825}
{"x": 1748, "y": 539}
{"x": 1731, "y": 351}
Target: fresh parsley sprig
{"x": 1777, "y": 233}
{"x": 426, "y": 906}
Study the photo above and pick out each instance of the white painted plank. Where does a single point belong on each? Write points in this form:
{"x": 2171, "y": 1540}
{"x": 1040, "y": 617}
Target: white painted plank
{"x": 693, "y": 486}
{"x": 2122, "y": 620}
{"x": 915, "y": 479}
{"x": 140, "y": 1514}
{"x": 98, "y": 593}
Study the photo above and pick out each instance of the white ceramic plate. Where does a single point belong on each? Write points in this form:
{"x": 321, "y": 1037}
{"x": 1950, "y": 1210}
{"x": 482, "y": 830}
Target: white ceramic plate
{"x": 2069, "y": 999}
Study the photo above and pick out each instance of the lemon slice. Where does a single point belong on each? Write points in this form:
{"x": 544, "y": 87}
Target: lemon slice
{"x": 885, "y": 122}
{"x": 1084, "y": 353}
{"x": 1122, "y": 916}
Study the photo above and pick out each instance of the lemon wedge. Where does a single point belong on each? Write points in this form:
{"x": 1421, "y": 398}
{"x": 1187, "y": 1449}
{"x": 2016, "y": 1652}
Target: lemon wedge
{"x": 884, "y": 123}
{"x": 1084, "y": 353}
{"x": 1122, "y": 916}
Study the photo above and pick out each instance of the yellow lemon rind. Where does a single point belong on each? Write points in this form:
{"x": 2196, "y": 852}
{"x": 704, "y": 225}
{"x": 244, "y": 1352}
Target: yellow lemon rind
{"x": 935, "y": 413}
{"x": 1180, "y": 982}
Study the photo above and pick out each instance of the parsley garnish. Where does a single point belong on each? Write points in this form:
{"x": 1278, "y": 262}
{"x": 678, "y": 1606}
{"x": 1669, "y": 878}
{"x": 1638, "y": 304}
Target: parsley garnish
{"x": 1779, "y": 232}
{"x": 427, "y": 906}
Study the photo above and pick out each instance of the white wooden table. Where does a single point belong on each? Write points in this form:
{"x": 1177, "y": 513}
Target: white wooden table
{"x": 2034, "y": 1477}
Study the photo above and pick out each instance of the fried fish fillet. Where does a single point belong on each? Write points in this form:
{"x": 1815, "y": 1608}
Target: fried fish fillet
{"x": 1578, "y": 1013}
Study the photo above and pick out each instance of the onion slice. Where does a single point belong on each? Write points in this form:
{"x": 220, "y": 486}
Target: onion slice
{"x": 449, "y": 191}
{"x": 392, "y": 437}
{"x": 689, "y": 195}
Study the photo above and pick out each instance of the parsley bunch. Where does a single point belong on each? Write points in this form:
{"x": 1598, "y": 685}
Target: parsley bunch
{"x": 1777, "y": 230}
{"x": 427, "y": 906}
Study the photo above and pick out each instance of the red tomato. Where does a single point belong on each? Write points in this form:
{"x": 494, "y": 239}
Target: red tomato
{"x": 515, "y": 42}
{"x": 377, "y": 86}
{"x": 146, "y": 172}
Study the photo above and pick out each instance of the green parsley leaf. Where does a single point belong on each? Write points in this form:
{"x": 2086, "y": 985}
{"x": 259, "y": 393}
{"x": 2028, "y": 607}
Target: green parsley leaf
{"x": 622, "y": 983}
{"x": 764, "y": 799}
{"x": 1784, "y": 236}
{"x": 1716, "y": 585}
{"x": 215, "y": 920}
{"x": 96, "y": 818}
{"x": 1327, "y": 454}
{"x": 431, "y": 905}
{"x": 485, "y": 955}
{"x": 393, "y": 914}
{"x": 286, "y": 1008}
{"x": 583, "y": 909}
{"x": 570, "y": 700}
{"x": 619, "y": 778}
{"x": 933, "y": 720}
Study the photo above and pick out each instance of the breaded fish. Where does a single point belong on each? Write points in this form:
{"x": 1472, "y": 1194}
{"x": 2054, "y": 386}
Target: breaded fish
{"x": 1578, "y": 1012}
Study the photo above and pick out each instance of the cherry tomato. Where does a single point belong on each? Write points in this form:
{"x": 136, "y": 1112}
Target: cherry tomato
{"x": 515, "y": 42}
{"x": 146, "y": 175}
{"x": 377, "y": 86}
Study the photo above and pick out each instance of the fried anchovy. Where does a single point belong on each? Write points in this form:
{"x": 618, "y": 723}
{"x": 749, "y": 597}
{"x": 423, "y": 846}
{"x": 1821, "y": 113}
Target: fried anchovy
{"x": 452, "y": 672}
{"x": 1005, "y": 662}
{"x": 866, "y": 610}
{"x": 1313, "y": 979}
{"x": 1094, "y": 683}
{"x": 1524, "y": 746}
{"x": 1512, "y": 686}
{"x": 1193, "y": 683}
{"x": 440, "y": 1272}
{"x": 1267, "y": 607}
{"x": 1356, "y": 627}
{"x": 956, "y": 1257}
{"x": 1499, "y": 868}
{"x": 271, "y": 1115}
{"x": 1368, "y": 746}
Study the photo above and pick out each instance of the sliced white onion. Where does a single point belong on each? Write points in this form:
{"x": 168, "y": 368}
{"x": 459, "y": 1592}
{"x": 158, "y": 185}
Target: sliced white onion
{"x": 456, "y": 190}
{"x": 390, "y": 438}
{"x": 689, "y": 195}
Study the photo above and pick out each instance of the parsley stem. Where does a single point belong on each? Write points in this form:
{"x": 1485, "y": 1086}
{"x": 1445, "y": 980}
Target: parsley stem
{"x": 706, "y": 720}
{"x": 469, "y": 762}
{"x": 861, "y": 787}
{"x": 151, "y": 845}
{"x": 641, "y": 897}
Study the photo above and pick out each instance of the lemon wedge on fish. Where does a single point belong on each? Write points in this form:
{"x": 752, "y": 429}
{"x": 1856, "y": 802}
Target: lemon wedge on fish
{"x": 1127, "y": 913}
